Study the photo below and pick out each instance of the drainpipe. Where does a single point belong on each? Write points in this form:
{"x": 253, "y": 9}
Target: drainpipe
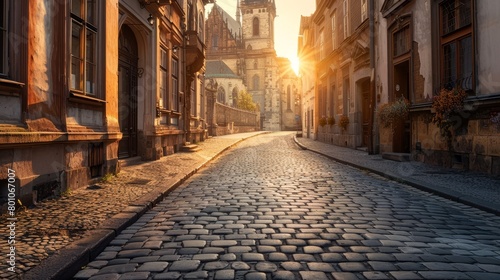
{"x": 372, "y": 133}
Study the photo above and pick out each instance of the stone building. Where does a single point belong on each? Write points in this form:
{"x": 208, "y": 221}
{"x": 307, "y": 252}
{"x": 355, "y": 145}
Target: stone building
{"x": 245, "y": 45}
{"x": 85, "y": 85}
{"x": 306, "y": 54}
{"x": 421, "y": 52}
{"x": 342, "y": 72}
{"x": 425, "y": 47}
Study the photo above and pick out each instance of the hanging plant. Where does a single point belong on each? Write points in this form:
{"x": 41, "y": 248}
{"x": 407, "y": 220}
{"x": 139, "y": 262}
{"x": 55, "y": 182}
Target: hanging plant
{"x": 391, "y": 113}
{"x": 322, "y": 121}
{"x": 495, "y": 119}
{"x": 331, "y": 120}
{"x": 344, "y": 122}
{"x": 447, "y": 107}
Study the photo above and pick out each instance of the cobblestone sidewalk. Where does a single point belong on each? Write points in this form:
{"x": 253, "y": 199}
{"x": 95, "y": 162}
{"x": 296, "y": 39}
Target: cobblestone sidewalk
{"x": 52, "y": 225}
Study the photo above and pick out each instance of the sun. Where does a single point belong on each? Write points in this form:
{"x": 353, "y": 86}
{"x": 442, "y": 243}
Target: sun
{"x": 295, "y": 64}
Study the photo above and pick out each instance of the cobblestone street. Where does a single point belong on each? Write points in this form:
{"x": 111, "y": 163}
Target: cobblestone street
{"x": 269, "y": 210}
{"x": 54, "y": 224}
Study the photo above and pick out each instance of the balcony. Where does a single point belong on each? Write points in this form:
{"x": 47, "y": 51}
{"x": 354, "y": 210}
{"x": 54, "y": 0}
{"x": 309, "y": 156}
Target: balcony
{"x": 195, "y": 51}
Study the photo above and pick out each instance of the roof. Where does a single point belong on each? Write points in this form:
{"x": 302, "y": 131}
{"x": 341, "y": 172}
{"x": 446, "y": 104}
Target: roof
{"x": 219, "y": 69}
{"x": 233, "y": 26}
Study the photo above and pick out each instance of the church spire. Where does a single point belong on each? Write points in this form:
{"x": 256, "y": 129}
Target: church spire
{"x": 238, "y": 12}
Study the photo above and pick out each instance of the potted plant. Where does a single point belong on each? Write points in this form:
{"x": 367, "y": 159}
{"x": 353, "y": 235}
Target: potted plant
{"x": 331, "y": 120}
{"x": 344, "y": 122}
{"x": 322, "y": 121}
{"x": 447, "y": 107}
{"x": 391, "y": 113}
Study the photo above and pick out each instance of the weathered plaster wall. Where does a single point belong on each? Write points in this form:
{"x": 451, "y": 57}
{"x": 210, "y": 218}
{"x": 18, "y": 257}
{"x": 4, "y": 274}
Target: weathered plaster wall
{"x": 423, "y": 63}
{"x": 43, "y": 116}
{"x": 488, "y": 41}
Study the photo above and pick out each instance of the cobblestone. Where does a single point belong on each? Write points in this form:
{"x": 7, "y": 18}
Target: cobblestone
{"x": 255, "y": 214}
{"x": 56, "y": 223}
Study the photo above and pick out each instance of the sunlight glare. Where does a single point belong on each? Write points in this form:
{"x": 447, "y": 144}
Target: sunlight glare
{"x": 295, "y": 65}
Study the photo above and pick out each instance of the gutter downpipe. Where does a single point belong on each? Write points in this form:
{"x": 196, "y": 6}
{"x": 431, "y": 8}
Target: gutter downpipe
{"x": 372, "y": 133}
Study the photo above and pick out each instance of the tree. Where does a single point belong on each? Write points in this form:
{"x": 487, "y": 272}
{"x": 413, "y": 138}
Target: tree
{"x": 245, "y": 101}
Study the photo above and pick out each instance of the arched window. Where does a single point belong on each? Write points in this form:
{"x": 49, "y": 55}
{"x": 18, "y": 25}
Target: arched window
{"x": 215, "y": 41}
{"x": 221, "y": 95}
{"x": 235, "y": 97}
{"x": 256, "y": 82}
{"x": 256, "y": 26}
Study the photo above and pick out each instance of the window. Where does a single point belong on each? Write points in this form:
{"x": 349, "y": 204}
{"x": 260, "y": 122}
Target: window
{"x": 364, "y": 10}
{"x": 401, "y": 41}
{"x": 3, "y": 38}
{"x": 334, "y": 29}
{"x": 221, "y": 95}
{"x": 174, "y": 105}
{"x": 332, "y": 101}
{"x": 84, "y": 24}
{"x": 201, "y": 27}
{"x": 346, "y": 18}
{"x": 215, "y": 42}
{"x": 456, "y": 44}
{"x": 193, "y": 99}
{"x": 321, "y": 45}
{"x": 163, "y": 77}
{"x": 346, "y": 96}
{"x": 256, "y": 26}
{"x": 256, "y": 82}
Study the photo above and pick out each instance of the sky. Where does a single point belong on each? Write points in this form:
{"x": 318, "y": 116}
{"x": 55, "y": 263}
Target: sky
{"x": 286, "y": 24}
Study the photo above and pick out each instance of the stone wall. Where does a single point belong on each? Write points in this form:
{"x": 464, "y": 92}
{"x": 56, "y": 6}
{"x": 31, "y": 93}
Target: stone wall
{"x": 232, "y": 120}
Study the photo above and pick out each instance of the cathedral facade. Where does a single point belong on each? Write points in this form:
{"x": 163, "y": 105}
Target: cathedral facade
{"x": 243, "y": 49}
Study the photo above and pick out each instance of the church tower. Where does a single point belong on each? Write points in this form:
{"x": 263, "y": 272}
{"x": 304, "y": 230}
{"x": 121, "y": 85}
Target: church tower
{"x": 258, "y": 23}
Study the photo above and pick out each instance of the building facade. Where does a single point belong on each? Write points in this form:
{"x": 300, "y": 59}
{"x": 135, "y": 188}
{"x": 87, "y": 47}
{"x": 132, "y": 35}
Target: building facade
{"x": 85, "y": 85}
{"x": 245, "y": 46}
{"x": 430, "y": 52}
{"x": 422, "y": 86}
{"x": 307, "y": 57}
{"x": 342, "y": 73}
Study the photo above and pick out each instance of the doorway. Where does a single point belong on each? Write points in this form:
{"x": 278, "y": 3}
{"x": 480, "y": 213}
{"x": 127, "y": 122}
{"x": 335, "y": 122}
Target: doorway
{"x": 127, "y": 92}
{"x": 401, "y": 88}
{"x": 365, "y": 103}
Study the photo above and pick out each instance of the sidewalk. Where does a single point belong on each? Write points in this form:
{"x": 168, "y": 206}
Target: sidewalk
{"x": 58, "y": 236}
{"x": 477, "y": 190}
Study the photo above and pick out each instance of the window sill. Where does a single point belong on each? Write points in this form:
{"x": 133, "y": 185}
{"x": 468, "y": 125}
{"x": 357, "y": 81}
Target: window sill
{"x": 9, "y": 87}
{"x": 81, "y": 98}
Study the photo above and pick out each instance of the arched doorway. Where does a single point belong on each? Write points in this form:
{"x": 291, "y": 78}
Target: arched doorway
{"x": 127, "y": 92}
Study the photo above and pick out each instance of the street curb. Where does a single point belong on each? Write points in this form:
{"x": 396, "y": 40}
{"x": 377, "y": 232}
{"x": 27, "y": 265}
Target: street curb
{"x": 455, "y": 196}
{"x": 69, "y": 260}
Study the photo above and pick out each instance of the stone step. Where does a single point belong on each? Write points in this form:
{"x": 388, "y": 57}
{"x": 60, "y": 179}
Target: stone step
{"x": 397, "y": 156}
{"x": 190, "y": 148}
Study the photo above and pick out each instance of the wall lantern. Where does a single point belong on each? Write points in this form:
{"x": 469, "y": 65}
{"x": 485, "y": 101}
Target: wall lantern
{"x": 151, "y": 20}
